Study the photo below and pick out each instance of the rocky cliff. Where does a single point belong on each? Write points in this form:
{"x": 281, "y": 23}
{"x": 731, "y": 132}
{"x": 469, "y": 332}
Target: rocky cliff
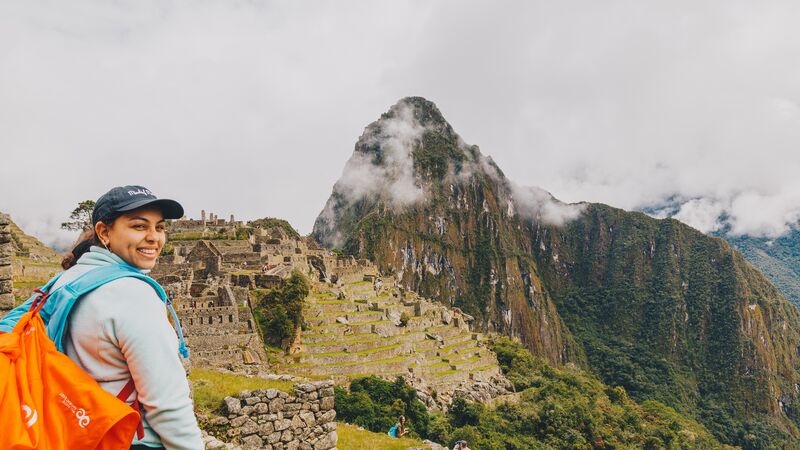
{"x": 651, "y": 305}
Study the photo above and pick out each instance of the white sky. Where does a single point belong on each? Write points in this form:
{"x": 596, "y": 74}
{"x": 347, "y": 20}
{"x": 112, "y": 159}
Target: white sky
{"x": 253, "y": 107}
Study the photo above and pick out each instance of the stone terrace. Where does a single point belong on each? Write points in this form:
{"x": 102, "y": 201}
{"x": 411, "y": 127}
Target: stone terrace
{"x": 355, "y": 330}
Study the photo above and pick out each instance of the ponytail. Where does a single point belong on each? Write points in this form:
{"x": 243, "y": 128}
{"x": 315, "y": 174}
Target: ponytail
{"x": 87, "y": 239}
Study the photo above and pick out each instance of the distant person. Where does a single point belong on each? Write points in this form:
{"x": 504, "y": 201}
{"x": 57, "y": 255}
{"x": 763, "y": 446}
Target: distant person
{"x": 399, "y": 429}
{"x": 461, "y": 445}
{"x": 119, "y": 332}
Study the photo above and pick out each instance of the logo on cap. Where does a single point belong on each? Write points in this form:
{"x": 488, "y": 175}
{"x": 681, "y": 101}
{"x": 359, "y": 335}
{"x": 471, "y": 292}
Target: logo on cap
{"x": 140, "y": 192}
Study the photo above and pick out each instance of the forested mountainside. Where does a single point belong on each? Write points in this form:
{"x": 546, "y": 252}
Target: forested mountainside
{"x": 651, "y": 305}
{"x": 776, "y": 257}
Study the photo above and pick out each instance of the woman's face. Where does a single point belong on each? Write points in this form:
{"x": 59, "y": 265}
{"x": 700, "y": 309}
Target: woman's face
{"x": 137, "y": 237}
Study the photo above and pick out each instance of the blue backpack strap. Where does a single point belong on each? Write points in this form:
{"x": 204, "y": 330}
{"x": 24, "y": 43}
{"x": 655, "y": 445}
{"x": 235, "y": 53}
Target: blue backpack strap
{"x": 10, "y": 320}
{"x": 63, "y": 299}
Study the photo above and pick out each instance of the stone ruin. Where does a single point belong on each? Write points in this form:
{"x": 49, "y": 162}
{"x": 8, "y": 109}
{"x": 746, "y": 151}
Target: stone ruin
{"x": 210, "y": 283}
{"x": 6, "y": 250}
{"x": 275, "y": 420}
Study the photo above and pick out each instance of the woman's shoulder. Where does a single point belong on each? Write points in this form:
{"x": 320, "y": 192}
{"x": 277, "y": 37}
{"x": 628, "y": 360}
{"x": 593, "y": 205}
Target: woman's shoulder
{"x": 129, "y": 291}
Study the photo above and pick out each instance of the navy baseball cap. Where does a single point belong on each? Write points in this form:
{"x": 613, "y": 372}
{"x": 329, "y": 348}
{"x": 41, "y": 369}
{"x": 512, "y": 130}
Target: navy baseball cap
{"x": 127, "y": 198}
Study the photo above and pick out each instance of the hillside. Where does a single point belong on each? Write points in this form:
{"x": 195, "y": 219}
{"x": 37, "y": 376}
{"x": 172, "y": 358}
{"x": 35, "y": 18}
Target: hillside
{"x": 778, "y": 259}
{"x": 651, "y": 305}
{"x": 33, "y": 263}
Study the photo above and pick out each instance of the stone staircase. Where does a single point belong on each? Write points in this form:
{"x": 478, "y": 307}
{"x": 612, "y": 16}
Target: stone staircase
{"x": 355, "y": 330}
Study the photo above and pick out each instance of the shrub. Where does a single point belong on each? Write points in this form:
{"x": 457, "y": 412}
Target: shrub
{"x": 376, "y": 405}
{"x": 279, "y": 311}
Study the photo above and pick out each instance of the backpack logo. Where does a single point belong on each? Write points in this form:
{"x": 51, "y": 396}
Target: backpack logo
{"x": 80, "y": 413}
{"x": 30, "y": 416}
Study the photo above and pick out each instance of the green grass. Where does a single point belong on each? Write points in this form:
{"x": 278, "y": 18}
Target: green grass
{"x": 358, "y": 340}
{"x": 23, "y": 284}
{"x": 329, "y": 302}
{"x": 211, "y": 386}
{"x": 352, "y": 363}
{"x": 351, "y": 437}
{"x": 359, "y": 353}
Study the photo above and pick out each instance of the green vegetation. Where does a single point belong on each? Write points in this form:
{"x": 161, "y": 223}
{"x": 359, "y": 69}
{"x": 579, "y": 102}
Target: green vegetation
{"x": 778, "y": 258}
{"x": 211, "y": 386}
{"x": 376, "y": 405}
{"x": 352, "y": 437}
{"x": 272, "y": 222}
{"x": 80, "y": 217}
{"x": 279, "y": 311}
{"x": 556, "y": 409}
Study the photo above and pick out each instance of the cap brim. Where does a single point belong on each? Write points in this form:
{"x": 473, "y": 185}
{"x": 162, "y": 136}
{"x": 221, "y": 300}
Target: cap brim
{"x": 170, "y": 208}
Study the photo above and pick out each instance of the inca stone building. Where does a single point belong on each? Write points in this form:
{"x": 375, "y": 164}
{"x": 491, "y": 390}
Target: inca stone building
{"x": 6, "y": 248}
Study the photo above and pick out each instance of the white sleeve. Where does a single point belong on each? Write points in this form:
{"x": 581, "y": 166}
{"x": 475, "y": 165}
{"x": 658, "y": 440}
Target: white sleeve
{"x": 150, "y": 346}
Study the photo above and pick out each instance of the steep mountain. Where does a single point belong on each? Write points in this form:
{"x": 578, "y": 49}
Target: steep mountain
{"x": 778, "y": 258}
{"x": 651, "y": 305}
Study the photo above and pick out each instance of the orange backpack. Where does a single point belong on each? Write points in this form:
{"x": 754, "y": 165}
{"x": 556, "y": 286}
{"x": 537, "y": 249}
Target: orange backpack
{"x": 48, "y": 402}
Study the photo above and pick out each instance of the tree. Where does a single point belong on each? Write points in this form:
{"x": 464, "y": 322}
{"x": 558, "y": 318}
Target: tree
{"x": 81, "y": 217}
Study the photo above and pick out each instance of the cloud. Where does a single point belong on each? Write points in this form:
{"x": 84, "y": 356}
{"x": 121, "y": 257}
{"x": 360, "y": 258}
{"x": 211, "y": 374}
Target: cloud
{"x": 539, "y": 205}
{"x": 388, "y": 172}
{"x": 703, "y": 214}
{"x": 252, "y": 107}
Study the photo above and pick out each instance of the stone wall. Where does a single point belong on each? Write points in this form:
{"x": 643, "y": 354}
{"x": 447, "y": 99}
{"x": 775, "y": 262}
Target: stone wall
{"x": 274, "y": 420}
{"x": 6, "y": 249}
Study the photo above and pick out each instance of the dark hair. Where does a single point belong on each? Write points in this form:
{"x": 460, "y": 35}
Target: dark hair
{"x": 84, "y": 242}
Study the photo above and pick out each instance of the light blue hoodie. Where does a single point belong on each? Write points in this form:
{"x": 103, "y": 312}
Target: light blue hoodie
{"x": 120, "y": 330}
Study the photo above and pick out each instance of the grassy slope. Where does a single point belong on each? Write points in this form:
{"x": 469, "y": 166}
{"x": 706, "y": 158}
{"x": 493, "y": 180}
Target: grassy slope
{"x": 211, "y": 386}
{"x": 352, "y": 437}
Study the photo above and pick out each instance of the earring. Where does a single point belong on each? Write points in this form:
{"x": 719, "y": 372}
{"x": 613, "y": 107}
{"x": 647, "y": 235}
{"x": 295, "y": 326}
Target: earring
{"x": 105, "y": 245}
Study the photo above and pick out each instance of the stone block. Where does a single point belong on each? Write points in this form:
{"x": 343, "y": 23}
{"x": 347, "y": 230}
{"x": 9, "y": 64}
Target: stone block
{"x": 305, "y": 387}
{"x": 276, "y": 405}
{"x": 246, "y": 410}
{"x": 249, "y": 428}
{"x": 274, "y": 437}
{"x": 326, "y": 417}
{"x": 250, "y": 401}
{"x": 6, "y": 301}
{"x": 266, "y": 428}
{"x": 252, "y": 441}
{"x": 281, "y": 425}
{"x": 326, "y": 403}
{"x": 308, "y": 418}
{"x": 330, "y": 426}
{"x": 233, "y": 405}
{"x": 328, "y": 442}
{"x": 239, "y": 421}
{"x": 326, "y": 392}
{"x": 287, "y": 435}
{"x": 271, "y": 393}
{"x": 262, "y": 408}
{"x": 291, "y": 407}
{"x": 297, "y": 422}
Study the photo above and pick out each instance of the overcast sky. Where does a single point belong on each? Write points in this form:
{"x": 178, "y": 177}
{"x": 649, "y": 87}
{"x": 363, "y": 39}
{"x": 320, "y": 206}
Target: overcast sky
{"x": 252, "y": 107}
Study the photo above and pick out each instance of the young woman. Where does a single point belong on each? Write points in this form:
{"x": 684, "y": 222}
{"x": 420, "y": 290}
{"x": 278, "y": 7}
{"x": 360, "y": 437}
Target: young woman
{"x": 120, "y": 330}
